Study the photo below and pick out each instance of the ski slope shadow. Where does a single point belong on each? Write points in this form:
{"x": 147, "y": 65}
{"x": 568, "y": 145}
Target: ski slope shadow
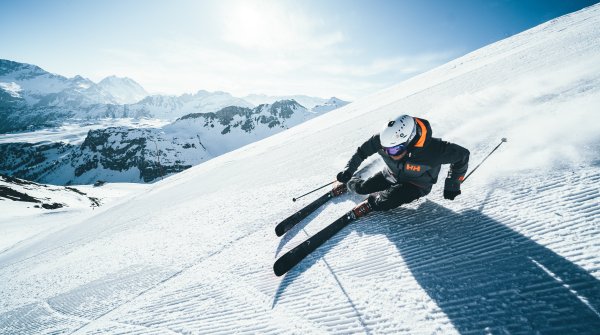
{"x": 483, "y": 275}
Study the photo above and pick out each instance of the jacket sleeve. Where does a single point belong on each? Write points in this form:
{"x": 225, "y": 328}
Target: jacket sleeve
{"x": 457, "y": 157}
{"x": 370, "y": 147}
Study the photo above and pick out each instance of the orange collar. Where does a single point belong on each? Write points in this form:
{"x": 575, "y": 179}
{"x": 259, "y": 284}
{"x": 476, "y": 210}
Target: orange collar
{"x": 421, "y": 140}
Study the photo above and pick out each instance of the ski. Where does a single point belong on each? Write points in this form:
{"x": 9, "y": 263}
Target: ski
{"x": 287, "y": 224}
{"x": 296, "y": 255}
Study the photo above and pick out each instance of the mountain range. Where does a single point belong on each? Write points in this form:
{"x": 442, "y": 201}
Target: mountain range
{"x": 200, "y": 126}
{"x": 32, "y": 98}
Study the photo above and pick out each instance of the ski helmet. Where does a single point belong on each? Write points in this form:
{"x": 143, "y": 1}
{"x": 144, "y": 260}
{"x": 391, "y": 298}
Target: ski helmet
{"x": 398, "y": 134}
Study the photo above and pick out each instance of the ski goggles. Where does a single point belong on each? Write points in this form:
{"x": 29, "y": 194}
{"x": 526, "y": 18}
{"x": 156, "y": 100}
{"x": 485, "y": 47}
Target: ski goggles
{"x": 396, "y": 150}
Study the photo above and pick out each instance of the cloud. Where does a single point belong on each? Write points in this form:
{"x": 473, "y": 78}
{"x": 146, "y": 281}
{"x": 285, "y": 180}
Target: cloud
{"x": 263, "y": 47}
{"x": 185, "y": 65}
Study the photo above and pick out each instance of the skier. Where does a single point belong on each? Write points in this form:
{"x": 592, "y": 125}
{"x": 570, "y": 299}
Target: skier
{"x": 413, "y": 161}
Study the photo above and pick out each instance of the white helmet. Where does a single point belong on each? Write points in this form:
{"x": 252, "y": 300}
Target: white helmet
{"x": 401, "y": 130}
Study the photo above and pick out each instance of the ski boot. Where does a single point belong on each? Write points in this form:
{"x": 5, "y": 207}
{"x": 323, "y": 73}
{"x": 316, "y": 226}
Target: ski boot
{"x": 362, "y": 209}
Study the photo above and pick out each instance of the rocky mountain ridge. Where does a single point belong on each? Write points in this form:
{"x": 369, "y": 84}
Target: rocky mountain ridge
{"x": 121, "y": 154}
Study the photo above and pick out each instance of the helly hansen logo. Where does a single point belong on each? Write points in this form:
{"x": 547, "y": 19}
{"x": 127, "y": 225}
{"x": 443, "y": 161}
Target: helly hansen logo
{"x": 410, "y": 167}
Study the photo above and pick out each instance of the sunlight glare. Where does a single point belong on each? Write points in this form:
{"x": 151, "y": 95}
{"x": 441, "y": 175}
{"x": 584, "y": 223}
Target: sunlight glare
{"x": 264, "y": 25}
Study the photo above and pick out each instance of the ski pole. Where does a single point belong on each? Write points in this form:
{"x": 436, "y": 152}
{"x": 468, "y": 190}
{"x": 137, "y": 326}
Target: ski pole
{"x": 486, "y": 157}
{"x": 316, "y": 189}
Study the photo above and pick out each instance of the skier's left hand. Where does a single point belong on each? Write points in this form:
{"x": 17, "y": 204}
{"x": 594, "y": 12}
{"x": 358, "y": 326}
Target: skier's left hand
{"x": 450, "y": 195}
{"x": 451, "y": 189}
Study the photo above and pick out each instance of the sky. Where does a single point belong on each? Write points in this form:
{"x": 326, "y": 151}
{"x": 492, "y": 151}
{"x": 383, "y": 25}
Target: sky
{"x": 343, "y": 48}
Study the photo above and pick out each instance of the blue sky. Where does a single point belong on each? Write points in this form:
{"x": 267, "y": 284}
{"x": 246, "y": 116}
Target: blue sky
{"x": 343, "y": 48}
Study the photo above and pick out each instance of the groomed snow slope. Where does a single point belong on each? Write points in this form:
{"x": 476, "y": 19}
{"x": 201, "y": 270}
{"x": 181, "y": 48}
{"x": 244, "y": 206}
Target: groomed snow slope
{"x": 517, "y": 252}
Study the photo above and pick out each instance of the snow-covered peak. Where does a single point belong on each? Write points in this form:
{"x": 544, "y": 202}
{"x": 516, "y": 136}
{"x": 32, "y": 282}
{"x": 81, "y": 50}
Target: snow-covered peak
{"x": 171, "y": 107}
{"x": 123, "y": 89}
{"x": 33, "y": 80}
{"x": 336, "y": 101}
{"x": 81, "y": 84}
{"x": 283, "y": 108}
{"x": 40, "y": 88}
{"x": 210, "y": 101}
{"x": 14, "y": 69}
{"x": 304, "y": 100}
{"x": 329, "y": 105}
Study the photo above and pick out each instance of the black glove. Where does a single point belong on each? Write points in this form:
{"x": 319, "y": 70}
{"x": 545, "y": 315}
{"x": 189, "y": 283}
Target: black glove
{"x": 451, "y": 194}
{"x": 451, "y": 188}
{"x": 344, "y": 176}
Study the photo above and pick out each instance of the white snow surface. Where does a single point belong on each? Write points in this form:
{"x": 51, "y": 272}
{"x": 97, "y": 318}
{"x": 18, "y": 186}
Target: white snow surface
{"x": 75, "y": 133}
{"x": 23, "y": 221}
{"x": 517, "y": 252}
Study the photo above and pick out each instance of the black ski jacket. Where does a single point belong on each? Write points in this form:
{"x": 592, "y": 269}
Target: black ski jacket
{"x": 422, "y": 164}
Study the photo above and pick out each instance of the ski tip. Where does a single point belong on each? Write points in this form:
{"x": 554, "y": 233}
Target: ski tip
{"x": 277, "y": 270}
{"x": 278, "y": 232}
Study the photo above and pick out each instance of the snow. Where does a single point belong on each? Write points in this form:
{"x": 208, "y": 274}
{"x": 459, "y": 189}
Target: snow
{"x": 517, "y": 252}
{"x": 306, "y": 101}
{"x": 173, "y": 107}
{"x": 37, "y": 84}
{"x": 75, "y": 133}
{"x": 218, "y": 143}
{"x": 124, "y": 90}
{"x": 23, "y": 221}
{"x": 11, "y": 88}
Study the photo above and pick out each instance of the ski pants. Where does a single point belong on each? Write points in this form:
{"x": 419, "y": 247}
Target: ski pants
{"x": 385, "y": 195}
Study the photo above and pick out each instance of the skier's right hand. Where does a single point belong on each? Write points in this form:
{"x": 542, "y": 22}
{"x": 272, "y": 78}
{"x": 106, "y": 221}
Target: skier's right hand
{"x": 344, "y": 176}
{"x": 339, "y": 188}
